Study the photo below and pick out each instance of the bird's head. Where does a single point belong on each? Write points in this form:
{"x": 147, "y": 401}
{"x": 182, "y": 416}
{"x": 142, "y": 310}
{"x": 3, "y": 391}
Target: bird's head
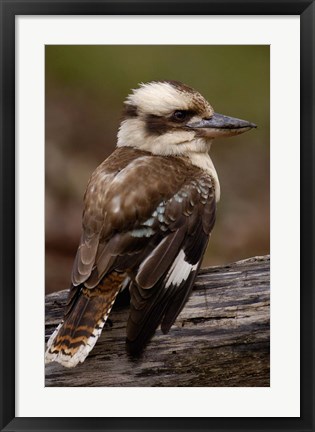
{"x": 170, "y": 118}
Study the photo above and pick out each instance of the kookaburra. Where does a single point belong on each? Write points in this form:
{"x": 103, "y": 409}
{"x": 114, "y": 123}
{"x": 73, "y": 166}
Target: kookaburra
{"x": 149, "y": 209}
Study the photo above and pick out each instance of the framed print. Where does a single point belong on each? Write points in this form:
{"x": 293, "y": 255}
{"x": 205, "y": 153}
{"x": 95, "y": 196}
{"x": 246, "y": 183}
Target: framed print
{"x": 67, "y": 70}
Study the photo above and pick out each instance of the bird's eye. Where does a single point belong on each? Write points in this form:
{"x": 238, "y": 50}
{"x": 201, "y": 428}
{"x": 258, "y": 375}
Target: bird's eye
{"x": 180, "y": 116}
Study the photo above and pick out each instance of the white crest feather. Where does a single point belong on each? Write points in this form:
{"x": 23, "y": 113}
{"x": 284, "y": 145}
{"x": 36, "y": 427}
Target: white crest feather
{"x": 159, "y": 98}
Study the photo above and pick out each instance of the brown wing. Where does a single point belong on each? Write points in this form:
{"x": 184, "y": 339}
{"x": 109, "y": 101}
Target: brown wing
{"x": 165, "y": 278}
{"x": 121, "y": 195}
{"x": 150, "y": 216}
{"x": 100, "y": 215}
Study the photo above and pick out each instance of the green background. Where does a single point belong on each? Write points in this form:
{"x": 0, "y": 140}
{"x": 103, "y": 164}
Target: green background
{"x": 85, "y": 90}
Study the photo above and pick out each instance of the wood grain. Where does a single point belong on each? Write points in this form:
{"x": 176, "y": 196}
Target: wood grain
{"x": 220, "y": 339}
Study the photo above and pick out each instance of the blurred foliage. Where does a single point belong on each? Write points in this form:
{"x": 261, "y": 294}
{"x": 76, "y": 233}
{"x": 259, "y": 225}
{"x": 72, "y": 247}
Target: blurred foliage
{"x": 85, "y": 89}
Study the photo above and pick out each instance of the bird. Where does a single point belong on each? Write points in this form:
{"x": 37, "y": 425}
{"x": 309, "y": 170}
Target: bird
{"x": 149, "y": 210}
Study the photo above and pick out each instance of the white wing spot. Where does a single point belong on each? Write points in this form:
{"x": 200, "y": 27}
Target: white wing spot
{"x": 142, "y": 232}
{"x": 161, "y": 208}
{"x": 149, "y": 222}
{"x": 161, "y": 218}
{"x": 180, "y": 270}
{"x": 178, "y": 198}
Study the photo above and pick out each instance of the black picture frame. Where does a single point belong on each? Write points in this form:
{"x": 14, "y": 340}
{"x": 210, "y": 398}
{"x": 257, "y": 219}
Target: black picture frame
{"x": 9, "y": 10}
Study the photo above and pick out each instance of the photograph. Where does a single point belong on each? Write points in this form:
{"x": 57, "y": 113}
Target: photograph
{"x": 157, "y": 215}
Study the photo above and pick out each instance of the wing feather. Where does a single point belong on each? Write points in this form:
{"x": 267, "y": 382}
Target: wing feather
{"x": 161, "y": 302}
{"x": 149, "y": 216}
{"x": 85, "y": 258}
{"x": 157, "y": 263}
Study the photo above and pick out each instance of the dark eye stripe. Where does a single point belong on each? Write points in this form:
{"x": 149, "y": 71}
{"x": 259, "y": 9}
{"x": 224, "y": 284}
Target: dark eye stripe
{"x": 156, "y": 125}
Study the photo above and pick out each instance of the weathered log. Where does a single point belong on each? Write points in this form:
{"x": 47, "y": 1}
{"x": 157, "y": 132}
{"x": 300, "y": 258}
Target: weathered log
{"x": 220, "y": 339}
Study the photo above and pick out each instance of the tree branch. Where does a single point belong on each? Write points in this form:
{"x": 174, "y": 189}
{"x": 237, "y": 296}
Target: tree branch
{"x": 221, "y": 338}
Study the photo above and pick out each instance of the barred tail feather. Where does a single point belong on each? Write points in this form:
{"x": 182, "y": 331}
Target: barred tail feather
{"x": 76, "y": 336}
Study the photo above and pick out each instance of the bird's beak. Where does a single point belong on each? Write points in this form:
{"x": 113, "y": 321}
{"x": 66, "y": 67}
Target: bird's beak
{"x": 219, "y": 125}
